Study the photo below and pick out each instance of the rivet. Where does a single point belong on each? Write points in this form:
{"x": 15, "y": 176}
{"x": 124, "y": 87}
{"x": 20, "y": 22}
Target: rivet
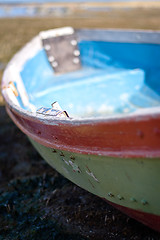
{"x": 132, "y": 199}
{"x": 61, "y": 154}
{"x": 140, "y": 134}
{"x": 76, "y": 60}
{"x": 73, "y": 42}
{"x": 76, "y": 53}
{"x": 54, "y": 64}
{"x": 51, "y": 58}
{"x": 157, "y": 131}
{"x": 120, "y": 197}
{"x": 144, "y": 202}
{"x": 47, "y": 47}
{"x": 110, "y": 194}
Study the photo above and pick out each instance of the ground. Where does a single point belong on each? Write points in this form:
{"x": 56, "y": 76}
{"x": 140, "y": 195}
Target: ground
{"x": 35, "y": 201}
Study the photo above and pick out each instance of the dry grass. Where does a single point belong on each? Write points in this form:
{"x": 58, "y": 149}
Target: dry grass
{"x": 14, "y": 33}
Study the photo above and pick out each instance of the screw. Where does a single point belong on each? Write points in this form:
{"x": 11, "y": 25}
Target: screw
{"x": 120, "y": 197}
{"x": 72, "y": 157}
{"x": 76, "y": 60}
{"x": 73, "y": 42}
{"x": 132, "y": 199}
{"x": 51, "y": 58}
{"x": 61, "y": 154}
{"x": 47, "y": 47}
{"x": 144, "y": 202}
{"x": 76, "y": 53}
{"x": 110, "y": 194}
{"x": 55, "y": 64}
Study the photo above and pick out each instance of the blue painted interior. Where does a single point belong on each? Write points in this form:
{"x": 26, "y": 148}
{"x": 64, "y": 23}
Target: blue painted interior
{"x": 115, "y": 78}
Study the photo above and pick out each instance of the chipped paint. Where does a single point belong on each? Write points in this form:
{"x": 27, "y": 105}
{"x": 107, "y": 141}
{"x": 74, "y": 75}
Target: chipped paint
{"x": 110, "y": 194}
{"x": 54, "y": 151}
{"x": 66, "y": 162}
{"x": 72, "y": 157}
{"x": 132, "y": 199}
{"x": 13, "y": 88}
{"x": 74, "y": 166}
{"x": 144, "y": 202}
{"x": 54, "y": 111}
{"x": 13, "y": 98}
{"x": 61, "y": 154}
{"x": 120, "y": 197}
{"x": 92, "y": 175}
{"x": 65, "y": 170}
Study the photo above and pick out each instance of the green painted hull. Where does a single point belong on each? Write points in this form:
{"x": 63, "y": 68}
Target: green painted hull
{"x": 133, "y": 183}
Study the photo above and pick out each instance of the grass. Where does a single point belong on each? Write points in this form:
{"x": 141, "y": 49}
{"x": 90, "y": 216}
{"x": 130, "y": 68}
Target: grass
{"x": 14, "y": 33}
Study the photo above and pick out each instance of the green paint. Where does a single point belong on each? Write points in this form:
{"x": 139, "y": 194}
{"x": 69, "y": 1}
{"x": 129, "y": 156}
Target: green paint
{"x": 133, "y": 183}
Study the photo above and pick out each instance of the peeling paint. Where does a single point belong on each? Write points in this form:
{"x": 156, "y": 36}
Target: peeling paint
{"x": 66, "y": 162}
{"x": 74, "y": 166}
{"x": 92, "y": 175}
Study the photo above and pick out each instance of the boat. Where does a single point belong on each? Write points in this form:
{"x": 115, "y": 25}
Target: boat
{"x": 89, "y": 101}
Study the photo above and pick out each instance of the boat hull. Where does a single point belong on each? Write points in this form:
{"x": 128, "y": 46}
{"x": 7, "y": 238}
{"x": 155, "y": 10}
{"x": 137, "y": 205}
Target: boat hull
{"x": 115, "y": 160}
{"x": 116, "y": 157}
{"x": 129, "y": 184}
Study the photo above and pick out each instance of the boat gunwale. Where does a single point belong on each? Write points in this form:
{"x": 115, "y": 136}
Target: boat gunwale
{"x": 32, "y": 47}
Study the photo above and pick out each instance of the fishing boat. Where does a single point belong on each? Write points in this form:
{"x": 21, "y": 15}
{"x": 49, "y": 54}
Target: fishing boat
{"x": 89, "y": 101}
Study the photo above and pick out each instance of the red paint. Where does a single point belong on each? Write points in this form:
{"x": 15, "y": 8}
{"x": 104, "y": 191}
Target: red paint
{"x": 148, "y": 219}
{"x": 121, "y": 138}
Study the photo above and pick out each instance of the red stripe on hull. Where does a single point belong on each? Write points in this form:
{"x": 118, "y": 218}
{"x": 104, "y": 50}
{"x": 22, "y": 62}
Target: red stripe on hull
{"x": 134, "y": 137}
{"x": 148, "y": 219}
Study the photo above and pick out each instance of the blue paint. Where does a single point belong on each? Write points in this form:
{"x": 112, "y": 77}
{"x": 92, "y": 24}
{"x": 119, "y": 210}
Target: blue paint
{"x": 128, "y": 55}
{"x": 115, "y": 78}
